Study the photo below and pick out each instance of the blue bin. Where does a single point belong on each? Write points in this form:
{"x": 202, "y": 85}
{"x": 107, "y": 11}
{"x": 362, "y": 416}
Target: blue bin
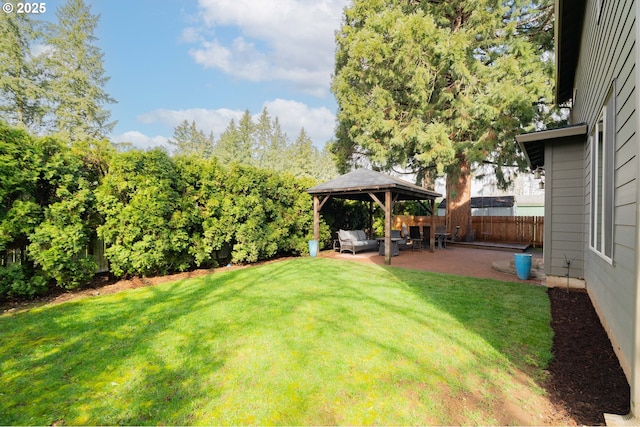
{"x": 523, "y": 265}
{"x": 313, "y": 247}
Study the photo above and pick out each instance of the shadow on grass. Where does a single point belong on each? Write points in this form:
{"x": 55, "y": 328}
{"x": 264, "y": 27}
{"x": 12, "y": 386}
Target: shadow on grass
{"x": 513, "y": 318}
{"x": 102, "y": 350}
{"x": 157, "y": 355}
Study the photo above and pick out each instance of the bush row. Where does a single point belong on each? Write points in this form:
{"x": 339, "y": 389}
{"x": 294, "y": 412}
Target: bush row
{"x": 156, "y": 214}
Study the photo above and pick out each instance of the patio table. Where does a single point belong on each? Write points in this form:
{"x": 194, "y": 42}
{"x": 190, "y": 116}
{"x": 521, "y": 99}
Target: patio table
{"x": 441, "y": 240}
{"x": 395, "y": 249}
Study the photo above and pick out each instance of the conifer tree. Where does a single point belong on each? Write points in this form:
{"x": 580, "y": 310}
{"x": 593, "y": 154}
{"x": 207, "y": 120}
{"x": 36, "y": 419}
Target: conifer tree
{"x": 278, "y": 144}
{"x": 77, "y": 76}
{"x": 263, "y": 132}
{"x": 435, "y": 86}
{"x": 189, "y": 140}
{"x": 303, "y": 156}
{"x": 22, "y": 85}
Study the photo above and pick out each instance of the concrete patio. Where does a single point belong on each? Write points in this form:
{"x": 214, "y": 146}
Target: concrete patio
{"x": 461, "y": 261}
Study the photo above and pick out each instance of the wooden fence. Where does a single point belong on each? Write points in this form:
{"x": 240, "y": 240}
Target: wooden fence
{"x": 515, "y": 229}
{"x": 96, "y": 250}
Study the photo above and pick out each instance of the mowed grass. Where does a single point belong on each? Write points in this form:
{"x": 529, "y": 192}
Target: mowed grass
{"x": 298, "y": 342}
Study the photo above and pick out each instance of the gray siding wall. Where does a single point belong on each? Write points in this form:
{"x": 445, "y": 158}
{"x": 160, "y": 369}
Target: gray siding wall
{"x": 607, "y": 54}
{"x": 564, "y": 216}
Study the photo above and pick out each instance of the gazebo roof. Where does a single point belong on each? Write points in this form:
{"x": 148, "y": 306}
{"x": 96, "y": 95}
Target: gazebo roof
{"x": 358, "y": 184}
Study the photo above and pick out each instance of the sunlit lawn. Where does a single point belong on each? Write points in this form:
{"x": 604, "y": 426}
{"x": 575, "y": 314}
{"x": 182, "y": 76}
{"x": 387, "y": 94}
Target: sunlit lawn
{"x": 304, "y": 341}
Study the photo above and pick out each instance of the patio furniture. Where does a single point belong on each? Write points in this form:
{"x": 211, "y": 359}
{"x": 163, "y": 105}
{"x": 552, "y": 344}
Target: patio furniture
{"x": 368, "y": 185}
{"x": 401, "y": 239}
{"x": 415, "y": 238}
{"x": 355, "y": 240}
{"x": 395, "y": 249}
{"x": 441, "y": 237}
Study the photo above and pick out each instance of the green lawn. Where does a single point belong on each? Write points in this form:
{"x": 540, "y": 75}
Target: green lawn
{"x": 304, "y": 341}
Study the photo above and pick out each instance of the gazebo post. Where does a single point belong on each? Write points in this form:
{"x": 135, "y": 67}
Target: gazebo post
{"x": 432, "y": 232}
{"x": 316, "y": 218}
{"x": 388, "y": 209}
{"x": 370, "y": 219}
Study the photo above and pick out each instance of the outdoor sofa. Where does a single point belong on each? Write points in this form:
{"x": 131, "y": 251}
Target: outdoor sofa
{"x": 355, "y": 241}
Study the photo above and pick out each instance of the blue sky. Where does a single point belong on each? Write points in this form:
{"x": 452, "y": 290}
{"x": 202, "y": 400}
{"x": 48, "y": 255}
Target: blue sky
{"x": 210, "y": 60}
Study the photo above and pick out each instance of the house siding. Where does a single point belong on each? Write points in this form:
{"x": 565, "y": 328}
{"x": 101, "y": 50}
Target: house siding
{"x": 564, "y": 167}
{"x": 608, "y": 55}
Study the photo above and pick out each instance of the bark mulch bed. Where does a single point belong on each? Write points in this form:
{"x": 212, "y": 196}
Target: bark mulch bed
{"x": 585, "y": 376}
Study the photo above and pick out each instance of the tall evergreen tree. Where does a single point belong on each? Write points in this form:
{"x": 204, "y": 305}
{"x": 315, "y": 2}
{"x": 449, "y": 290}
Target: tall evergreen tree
{"x": 21, "y": 77}
{"x": 264, "y": 144}
{"x": 434, "y": 86}
{"x": 77, "y": 75}
{"x": 236, "y": 142}
{"x": 189, "y": 140}
{"x": 303, "y": 156}
{"x": 278, "y": 144}
{"x": 246, "y": 145}
{"x": 226, "y": 147}
{"x": 263, "y": 133}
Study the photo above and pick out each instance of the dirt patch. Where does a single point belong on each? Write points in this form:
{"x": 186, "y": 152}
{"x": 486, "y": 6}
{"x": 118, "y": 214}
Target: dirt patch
{"x": 585, "y": 377}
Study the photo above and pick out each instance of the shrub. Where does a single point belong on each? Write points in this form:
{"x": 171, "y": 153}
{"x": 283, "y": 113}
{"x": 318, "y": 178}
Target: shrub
{"x": 17, "y": 282}
{"x": 47, "y": 207}
{"x": 140, "y": 200}
{"x": 272, "y": 214}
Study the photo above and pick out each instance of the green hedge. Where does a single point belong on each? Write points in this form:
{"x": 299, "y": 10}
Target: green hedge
{"x": 156, "y": 214}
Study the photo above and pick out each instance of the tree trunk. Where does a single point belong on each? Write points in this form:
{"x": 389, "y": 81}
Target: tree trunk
{"x": 459, "y": 198}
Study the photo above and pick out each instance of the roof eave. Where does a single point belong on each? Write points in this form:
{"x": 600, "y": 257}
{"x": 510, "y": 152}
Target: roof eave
{"x": 416, "y": 194}
{"x": 567, "y": 34}
{"x": 534, "y": 142}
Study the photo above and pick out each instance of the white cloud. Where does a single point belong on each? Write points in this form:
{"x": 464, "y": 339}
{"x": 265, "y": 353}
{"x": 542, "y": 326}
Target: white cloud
{"x": 318, "y": 123}
{"x": 140, "y": 140}
{"x": 242, "y": 60}
{"x": 290, "y": 40}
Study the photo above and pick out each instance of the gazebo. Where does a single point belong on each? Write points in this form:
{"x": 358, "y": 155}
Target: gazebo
{"x": 368, "y": 185}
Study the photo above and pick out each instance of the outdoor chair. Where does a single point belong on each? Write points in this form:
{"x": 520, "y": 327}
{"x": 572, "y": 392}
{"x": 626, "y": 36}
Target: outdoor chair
{"x": 415, "y": 239}
{"x": 408, "y": 241}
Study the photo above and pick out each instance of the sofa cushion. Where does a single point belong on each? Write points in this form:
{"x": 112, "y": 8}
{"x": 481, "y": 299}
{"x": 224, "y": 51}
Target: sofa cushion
{"x": 366, "y": 244}
{"x": 347, "y": 235}
{"x": 361, "y": 235}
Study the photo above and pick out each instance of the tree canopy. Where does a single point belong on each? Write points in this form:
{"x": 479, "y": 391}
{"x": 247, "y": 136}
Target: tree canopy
{"x": 189, "y": 140}
{"x": 418, "y": 83}
{"x": 77, "y": 75}
{"x": 257, "y": 142}
{"x": 429, "y": 87}
{"x": 58, "y": 87}
{"x": 22, "y": 93}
